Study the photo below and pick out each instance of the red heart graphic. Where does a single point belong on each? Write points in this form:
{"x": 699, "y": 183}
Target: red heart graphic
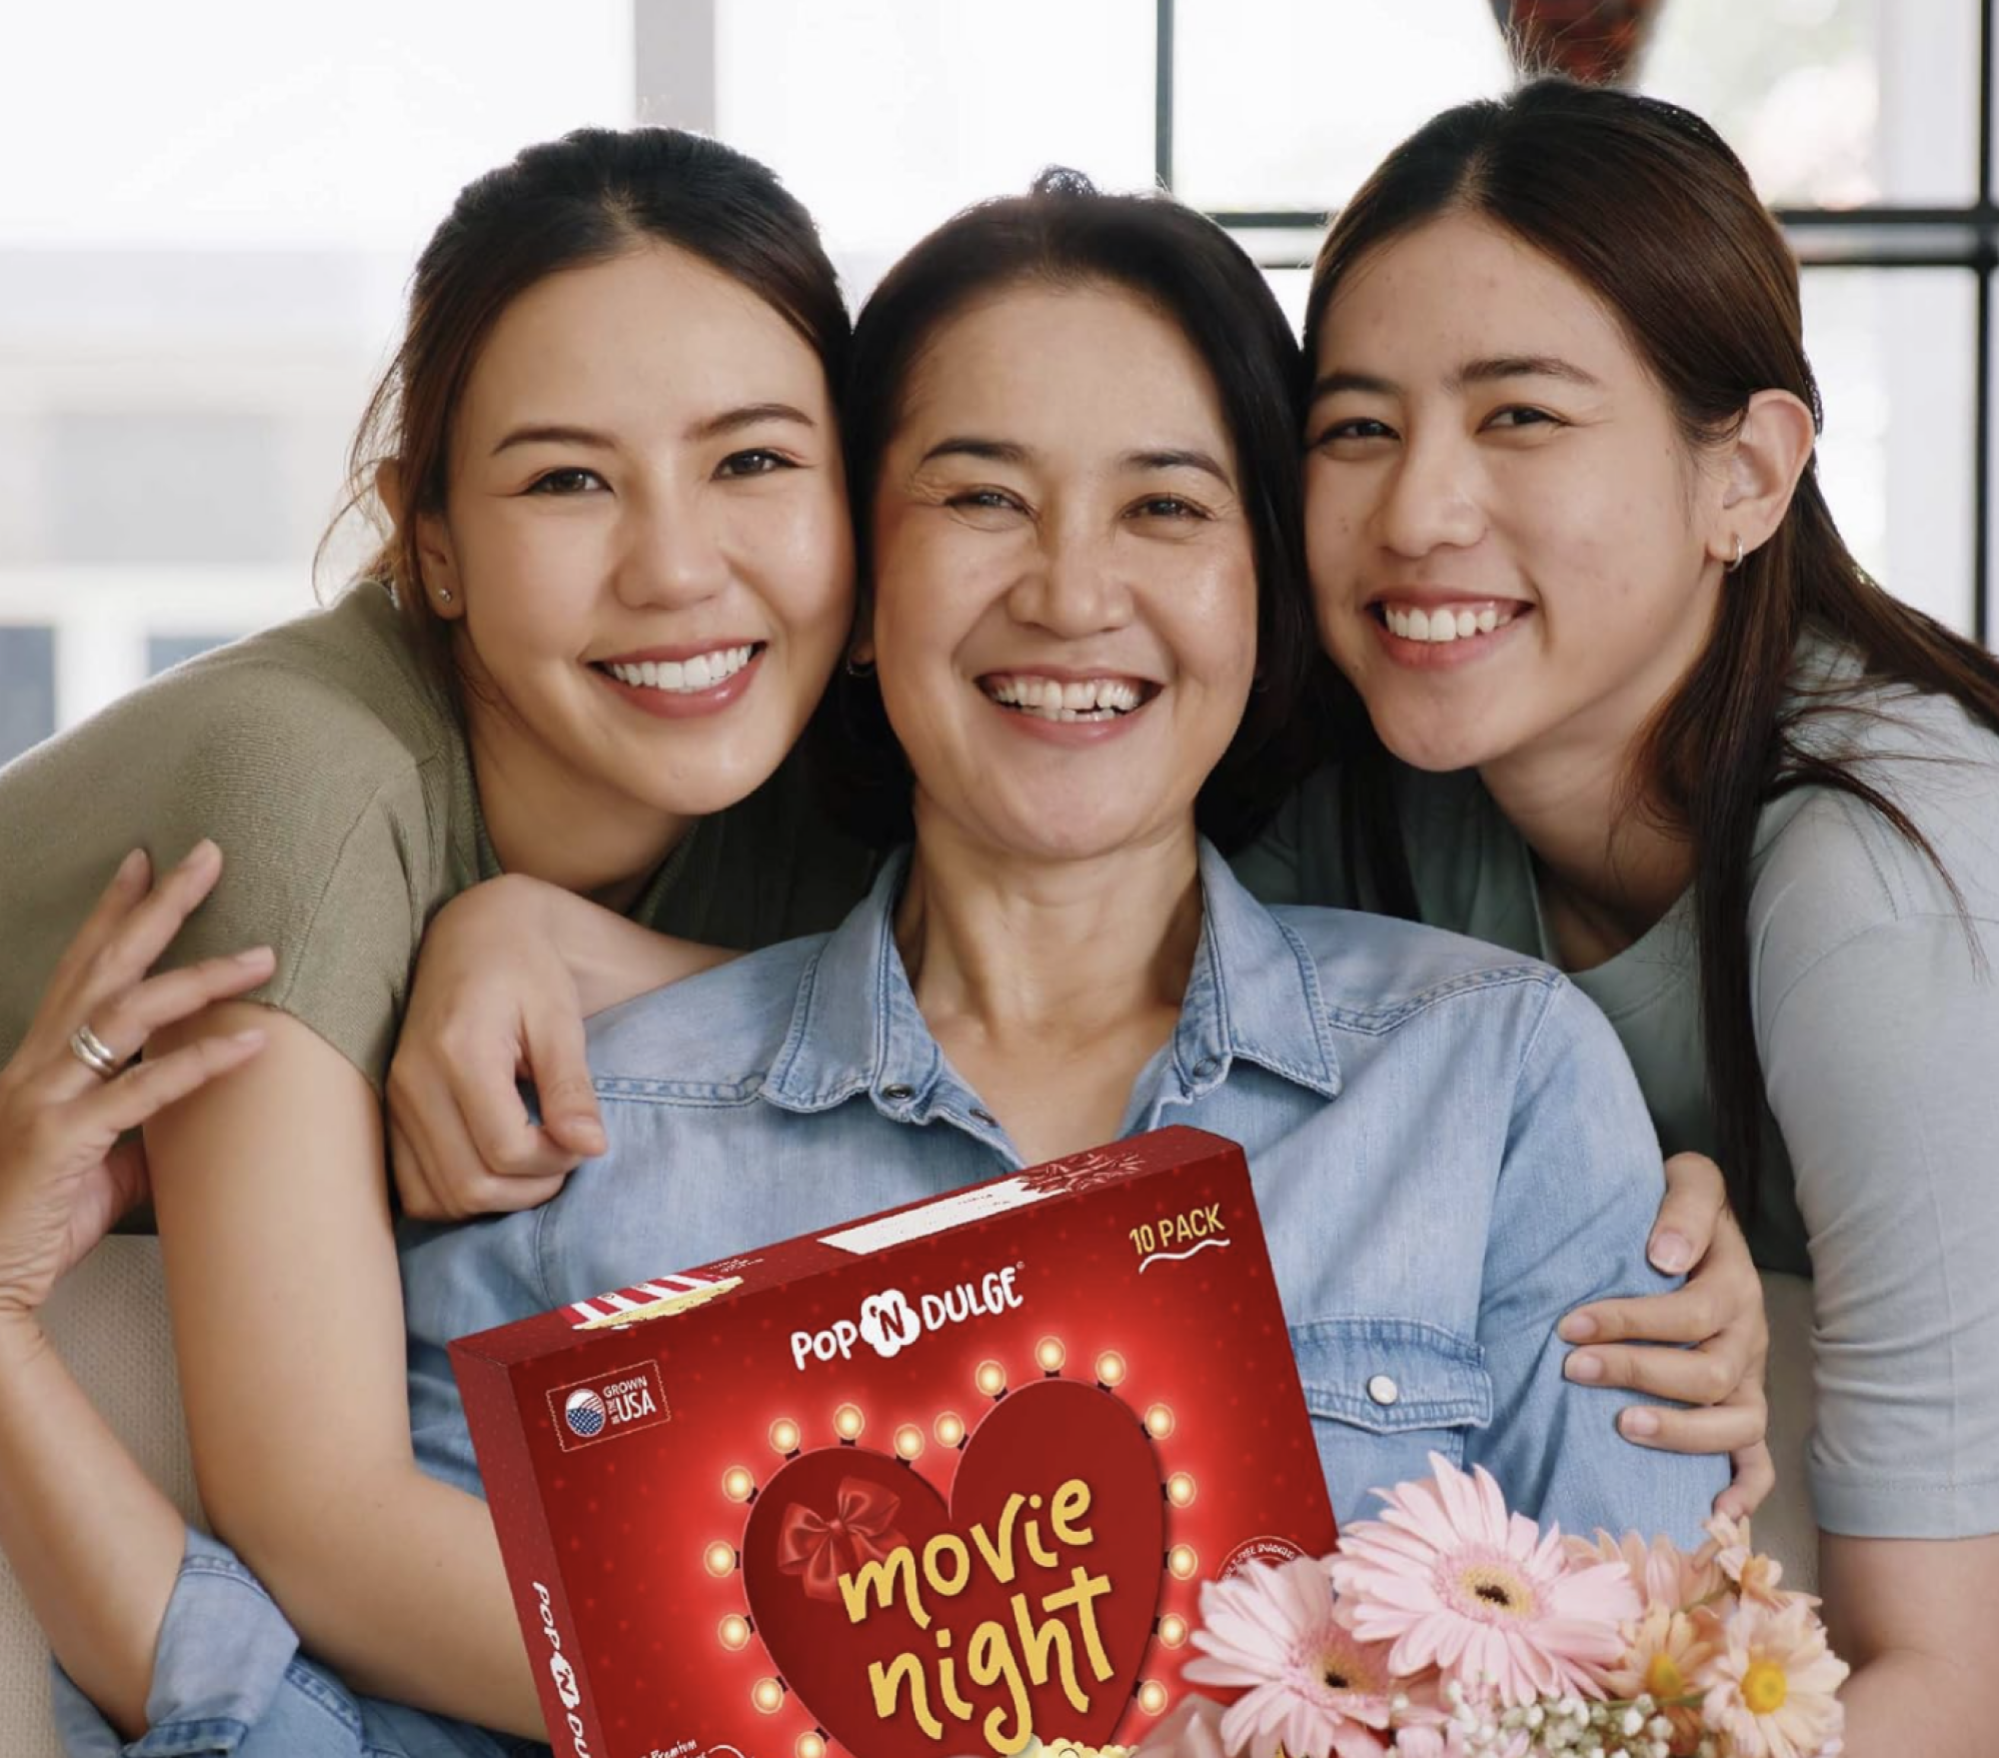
{"x": 840, "y": 1509}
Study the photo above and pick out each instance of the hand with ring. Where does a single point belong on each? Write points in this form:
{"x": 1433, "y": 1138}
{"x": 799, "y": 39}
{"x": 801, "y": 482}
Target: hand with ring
{"x": 73, "y": 1090}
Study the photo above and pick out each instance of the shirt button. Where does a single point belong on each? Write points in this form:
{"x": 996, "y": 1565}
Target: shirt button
{"x": 983, "y": 1115}
{"x": 1205, "y": 1068}
{"x": 898, "y": 1091}
{"x": 1383, "y": 1390}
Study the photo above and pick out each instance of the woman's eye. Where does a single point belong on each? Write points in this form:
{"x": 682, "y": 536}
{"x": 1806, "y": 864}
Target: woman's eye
{"x": 1519, "y": 415}
{"x": 984, "y": 500}
{"x": 758, "y": 461}
{"x": 1357, "y": 427}
{"x": 1168, "y": 506}
{"x": 566, "y": 482}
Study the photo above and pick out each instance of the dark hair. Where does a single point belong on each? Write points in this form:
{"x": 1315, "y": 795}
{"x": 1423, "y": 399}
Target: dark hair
{"x": 586, "y": 198}
{"x": 1646, "y": 206}
{"x": 1065, "y": 232}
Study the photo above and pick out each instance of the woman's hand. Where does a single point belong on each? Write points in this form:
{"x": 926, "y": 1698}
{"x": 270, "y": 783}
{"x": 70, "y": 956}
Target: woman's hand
{"x": 65, "y": 1174}
{"x": 492, "y": 1000}
{"x": 1719, "y": 1311}
{"x": 508, "y": 971}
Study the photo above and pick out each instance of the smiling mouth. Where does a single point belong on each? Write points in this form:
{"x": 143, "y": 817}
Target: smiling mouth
{"x": 1068, "y": 699}
{"x": 681, "y": 677}
{"x": 1439, "y": 625}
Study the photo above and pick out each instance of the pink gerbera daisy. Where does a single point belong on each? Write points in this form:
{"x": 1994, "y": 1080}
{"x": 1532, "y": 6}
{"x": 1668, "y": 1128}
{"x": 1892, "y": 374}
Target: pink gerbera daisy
{"x": 1454, "y": 1581}
{"x": 1315, "y": 1687}
{"x": 1664, "y": 1574}
{"x": 1774, "y": 1684}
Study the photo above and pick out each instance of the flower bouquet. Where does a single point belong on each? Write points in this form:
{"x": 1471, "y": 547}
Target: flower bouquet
{"x": 1451, "y": 1628}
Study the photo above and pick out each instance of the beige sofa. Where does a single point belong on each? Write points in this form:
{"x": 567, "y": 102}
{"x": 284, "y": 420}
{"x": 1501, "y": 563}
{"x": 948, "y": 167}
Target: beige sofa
{"x": 109, "y": 1319}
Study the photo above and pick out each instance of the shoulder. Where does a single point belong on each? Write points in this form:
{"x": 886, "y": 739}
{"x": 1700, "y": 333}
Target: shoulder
{"x": 711, "y": 1037}
{"x": 1830, "y": 868}
{"x": 1376, "y": 972}
{"x": 320, "y": 760}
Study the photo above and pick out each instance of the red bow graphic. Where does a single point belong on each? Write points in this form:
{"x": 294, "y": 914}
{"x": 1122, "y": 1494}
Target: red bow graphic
{"x": 823, "y": 1550}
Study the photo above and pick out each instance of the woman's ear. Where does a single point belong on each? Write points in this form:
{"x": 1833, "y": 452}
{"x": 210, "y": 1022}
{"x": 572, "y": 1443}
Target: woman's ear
{"x": 1765, "y": 459}
{"x": 435, "y": 555}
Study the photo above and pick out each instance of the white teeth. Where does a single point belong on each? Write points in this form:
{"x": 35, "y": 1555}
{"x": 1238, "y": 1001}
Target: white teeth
{"x": 1052, "y": 699}
{"x": 703, "y": 672}
{"x": 1448, "y": 623}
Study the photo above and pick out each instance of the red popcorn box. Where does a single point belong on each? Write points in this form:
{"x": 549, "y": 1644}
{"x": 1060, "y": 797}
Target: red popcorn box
{"x": 940, "y": 1482}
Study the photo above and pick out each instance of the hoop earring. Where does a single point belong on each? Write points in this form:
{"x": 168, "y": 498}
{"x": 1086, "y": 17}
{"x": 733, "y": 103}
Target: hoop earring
{"x": 1734, "y": 565}
{"x": 859, "y": 668}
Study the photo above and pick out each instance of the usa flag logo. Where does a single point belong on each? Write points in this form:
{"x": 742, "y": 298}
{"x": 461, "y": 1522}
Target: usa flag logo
{"x": 585, "y": 1414}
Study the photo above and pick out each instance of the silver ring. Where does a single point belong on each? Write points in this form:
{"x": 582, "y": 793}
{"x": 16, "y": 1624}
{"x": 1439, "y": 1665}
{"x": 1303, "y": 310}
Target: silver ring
{"x": 91, "y": 1050}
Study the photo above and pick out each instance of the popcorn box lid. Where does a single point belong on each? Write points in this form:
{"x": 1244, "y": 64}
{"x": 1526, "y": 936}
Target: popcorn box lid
{"x": 942, "y": 1481}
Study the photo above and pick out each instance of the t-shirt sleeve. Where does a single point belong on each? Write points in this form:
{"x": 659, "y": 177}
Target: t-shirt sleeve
{"x": 321, "y": 815}
{"x": 1880, "y": 1048}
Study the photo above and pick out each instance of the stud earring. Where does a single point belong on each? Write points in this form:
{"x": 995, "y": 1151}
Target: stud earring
{"x": 444, "y": 595}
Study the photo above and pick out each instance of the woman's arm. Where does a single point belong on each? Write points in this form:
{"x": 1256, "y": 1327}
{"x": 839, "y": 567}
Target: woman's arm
{"x": 1878, "y": 1059}
{"x": 508, "y": 973}
{"x": 93, "y": 1542}
{"x": 272, "y": 1200}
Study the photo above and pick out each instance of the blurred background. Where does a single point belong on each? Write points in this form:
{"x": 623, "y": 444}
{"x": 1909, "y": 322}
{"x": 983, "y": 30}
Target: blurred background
{"x": 208, "y": 212}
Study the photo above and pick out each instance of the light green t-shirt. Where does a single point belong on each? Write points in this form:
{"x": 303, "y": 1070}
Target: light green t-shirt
{"x": 1876, "y": 1009}
{"x": 325, "y": 761}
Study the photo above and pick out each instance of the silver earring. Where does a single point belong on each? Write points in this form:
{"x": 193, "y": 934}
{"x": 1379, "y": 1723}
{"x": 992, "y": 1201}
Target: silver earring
{"x": 444, "y": 592}
{"x": 1734, "y": 564}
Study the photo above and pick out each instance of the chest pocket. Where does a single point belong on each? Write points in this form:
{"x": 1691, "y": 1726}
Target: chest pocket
{"x": 1384, "y": 1394}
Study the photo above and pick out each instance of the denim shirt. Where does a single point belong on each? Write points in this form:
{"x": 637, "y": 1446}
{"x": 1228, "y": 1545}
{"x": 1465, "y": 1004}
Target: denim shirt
{"x": 1448, "y": 1148}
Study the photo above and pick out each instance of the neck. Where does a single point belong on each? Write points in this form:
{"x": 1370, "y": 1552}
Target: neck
{"x": 541, "y": 822}
{"x": 1609, "y": 867}
{"x": 1049, "y": 950}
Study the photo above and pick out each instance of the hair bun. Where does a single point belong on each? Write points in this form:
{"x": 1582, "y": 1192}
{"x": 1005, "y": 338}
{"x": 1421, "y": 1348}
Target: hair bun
{"x": 1061, "y": 183}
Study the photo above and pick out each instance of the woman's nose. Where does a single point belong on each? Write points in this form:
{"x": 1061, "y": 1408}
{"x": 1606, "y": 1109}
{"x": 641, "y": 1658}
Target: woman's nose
{"x": 1430, "y": 499}
{"x": 1073, "y": 586}
{"x": 672, "y": 553}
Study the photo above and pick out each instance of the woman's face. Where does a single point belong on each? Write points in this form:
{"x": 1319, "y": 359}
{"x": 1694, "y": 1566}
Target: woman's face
{"x": 646, "y": 537}
{"x": 1064, "y": 581}
{"x": 1507, "y": 533}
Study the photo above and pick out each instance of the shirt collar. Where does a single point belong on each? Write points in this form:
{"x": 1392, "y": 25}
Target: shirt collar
{"x": 1253, "y": 994}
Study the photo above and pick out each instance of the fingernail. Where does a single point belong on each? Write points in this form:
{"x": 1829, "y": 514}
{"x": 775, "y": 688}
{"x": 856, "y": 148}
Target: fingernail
{"x": 1577, "y": 1327}
{"x": 1638, "y": 1424}
{"x": 255, "y": 956}
{"x": 1587, "y": 1368}
{"x": 248, "y": 1040}
{"x": 131, "y": 867}
{"x": 1673, "y": 1253}
{"x": 200, "y": 852}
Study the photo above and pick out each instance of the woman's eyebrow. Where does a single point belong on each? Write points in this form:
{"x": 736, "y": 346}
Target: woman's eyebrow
{"x": 1498, "y": 366}
{"x": 553, "y": 434}
{"x": 1175, "y": 458}
{"x": 966, "y": 445}
{"x": 749, "y": 415}
{"x": 1368, "y": 382}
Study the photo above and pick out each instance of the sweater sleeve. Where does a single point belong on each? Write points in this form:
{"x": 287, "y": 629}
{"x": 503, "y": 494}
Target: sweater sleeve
{"x": 331, "y": 817}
